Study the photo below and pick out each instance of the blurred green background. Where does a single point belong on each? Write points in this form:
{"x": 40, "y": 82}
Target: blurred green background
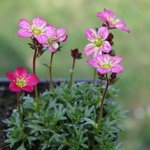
{"x": 76, "y": 16}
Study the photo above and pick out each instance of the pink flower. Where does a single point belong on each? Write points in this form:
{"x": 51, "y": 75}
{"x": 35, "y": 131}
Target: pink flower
{"x": 109, "y": 18}
{"x": 36, "y": 29}
{"x": 21, "y": 81}
{"x": 105, "y": 64}
{"x": 98, "y": 41}
{"x": 55, "y": 37}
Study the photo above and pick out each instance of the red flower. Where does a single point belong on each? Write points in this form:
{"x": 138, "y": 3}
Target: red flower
{"x": 21, "y": 81}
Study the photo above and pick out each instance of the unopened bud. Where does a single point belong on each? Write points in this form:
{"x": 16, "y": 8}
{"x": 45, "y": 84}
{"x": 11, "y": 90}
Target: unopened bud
{"x": 104, "y": 25}
{"x": 113, "y": 78}
{"x": 113, "y": 75}
{"x": 76, "y": 54}
{"x": 112, "y": 53}
{"x": 110, "y": 37}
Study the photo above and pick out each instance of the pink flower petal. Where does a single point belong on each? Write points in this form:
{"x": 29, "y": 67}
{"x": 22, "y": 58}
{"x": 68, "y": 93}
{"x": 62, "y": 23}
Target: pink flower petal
{"x": 116, "y": 59}
{"x": 28, "y": 88}
{"x": 103, "y": 58}
{"x": 32, "y": 80}
{"x": 24, "y": 24}
{"x": 52, "y": 49}
{"x": 117, "y": 69}
{"x": 103, "y": 32}
{"x": 106, "y": 15}
{"x": 121, "y": 25}
{"x": 11, "y": 76}
{"x": 14, "y": 88}
{"x": 93, "y": 63}
{"x": 109, "y": 13}
{"x": 50, "y": 25}
{"x": 101, "y": 15}
{"x": 63, "y": 38}
{"x": 97, "y": 52}
{"x": 111, "y": 25}
{"x": 106, "y": 47}
{"x": 89, "y": 49}
{"x": 61, "y": 32}
{"x": 39, "y": 22}
{"x": 61, "y": 35}
{"x": 103, "y": 71}
{"x": 20, "y": 71}
{"x": 24, "y": 33}
{"x": 91, "y": 34}
{"x": 41, "y": 38}
{"x": 50, "y": 31}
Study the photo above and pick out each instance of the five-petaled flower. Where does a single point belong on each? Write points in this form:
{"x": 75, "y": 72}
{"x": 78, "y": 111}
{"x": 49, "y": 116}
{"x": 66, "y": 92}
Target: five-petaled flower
{"x": 55, "y": 37}
{"x": 37, "y": 29}
{"x": 105, "y": 64}
{"x": 20, "y": 80}
{"x": 109, "y": 17}
{"x": 98, "y": 41}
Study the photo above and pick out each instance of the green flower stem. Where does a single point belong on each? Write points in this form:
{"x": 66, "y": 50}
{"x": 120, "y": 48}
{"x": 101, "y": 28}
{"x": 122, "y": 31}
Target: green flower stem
{"x": 72, "y": 72}
{"x": 103, "y": 97}
{"x": 18, "y": 101}
{"x": 51, "y": 86}
{"x": 100, "y": 88}
{"x": 102, "y": 102}
{"x": 18, "y": 106}
{"x": 34, "y": 72}
{"x": 94, "y": 77}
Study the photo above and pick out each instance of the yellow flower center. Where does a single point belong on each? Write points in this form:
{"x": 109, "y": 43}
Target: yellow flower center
{"x": 113, "y": 21}
{"x": 36, "y": 31}
{"x": 21, "y": 82}
{"x": 51, "y": 40}
{"x": 98, "y": 42}
{"x": 106, "y": 66}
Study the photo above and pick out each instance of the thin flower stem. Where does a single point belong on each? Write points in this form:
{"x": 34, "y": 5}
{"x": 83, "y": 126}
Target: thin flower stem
{"x": 94, "y": 77}
{"x": 34, "y": 72}
{"x": 103, "y": 97}
{"x": 18, "y": 107}
{"x": 50, "y": 75}
{"x": 102, "y": 102}
{"x": 72, "y": 72}
{"x": 100, "y": 87}
{"x": 18, "y": 101}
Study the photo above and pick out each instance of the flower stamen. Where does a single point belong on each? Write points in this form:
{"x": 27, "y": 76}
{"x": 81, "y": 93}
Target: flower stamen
{"x": 21, "y": 82}
{"x": 36, "y": 31}
{"x": 106, "y": 66}
{"x": 98, "y": 42}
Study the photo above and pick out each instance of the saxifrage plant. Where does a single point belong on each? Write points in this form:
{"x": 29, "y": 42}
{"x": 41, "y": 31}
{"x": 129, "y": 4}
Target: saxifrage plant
{"x": 68, "y": 116}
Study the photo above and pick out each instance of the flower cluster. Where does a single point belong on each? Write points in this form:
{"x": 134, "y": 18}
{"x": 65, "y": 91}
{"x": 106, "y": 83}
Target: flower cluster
{"x": 45, "y": 34}
{"x": 43, "y": 37}
{"x": 101, "y": 44}
{"x": 109, "y": 17}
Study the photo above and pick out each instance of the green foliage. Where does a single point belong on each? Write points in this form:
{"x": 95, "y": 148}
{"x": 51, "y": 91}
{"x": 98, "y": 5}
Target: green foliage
{"x": 68, "y": 120}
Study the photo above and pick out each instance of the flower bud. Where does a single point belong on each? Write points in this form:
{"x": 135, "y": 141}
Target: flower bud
{"x": 113, "y": 78}
{"x": 76, "y": 54}
{"x": 113, "y": 75}
{"x": 104, "y": 25}
{"x": 110, "y": 37}
{"x": 112, "y": 53}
